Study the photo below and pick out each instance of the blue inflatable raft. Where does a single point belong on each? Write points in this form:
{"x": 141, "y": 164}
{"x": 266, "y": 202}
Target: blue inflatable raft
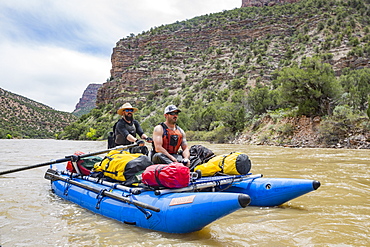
{"x": 272, "y": 191}
{"x": 266, "y": 192}
{"x": 170, "y": 212}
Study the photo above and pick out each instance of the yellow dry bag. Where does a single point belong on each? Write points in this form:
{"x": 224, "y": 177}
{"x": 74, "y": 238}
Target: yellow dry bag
{"x": 122, "y": 166}
{"x": 232, "y": 164}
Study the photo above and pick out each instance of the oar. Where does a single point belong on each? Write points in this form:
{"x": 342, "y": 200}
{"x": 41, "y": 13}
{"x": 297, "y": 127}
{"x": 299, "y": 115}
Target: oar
{"x": 53, "y": 176}
{"x": 132, "y": 190}
{"x": 67, "y": 158}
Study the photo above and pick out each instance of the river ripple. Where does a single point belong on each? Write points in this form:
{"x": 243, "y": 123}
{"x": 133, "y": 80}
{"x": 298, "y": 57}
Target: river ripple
{"x": 337, "y": 214}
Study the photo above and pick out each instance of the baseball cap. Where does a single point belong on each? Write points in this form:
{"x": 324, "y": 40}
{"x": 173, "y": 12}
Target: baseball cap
{"x": 171, "y": 108}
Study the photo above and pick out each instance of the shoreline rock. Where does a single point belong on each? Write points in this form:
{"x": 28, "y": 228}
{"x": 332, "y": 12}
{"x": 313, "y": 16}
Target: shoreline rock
{"x": 303, "y": 132}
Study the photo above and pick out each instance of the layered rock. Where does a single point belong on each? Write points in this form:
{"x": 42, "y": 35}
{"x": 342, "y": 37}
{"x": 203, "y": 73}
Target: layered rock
{"x": 184, "y": 55}
{"x": 134, "y": 69}
{"x": 88, "y": 100}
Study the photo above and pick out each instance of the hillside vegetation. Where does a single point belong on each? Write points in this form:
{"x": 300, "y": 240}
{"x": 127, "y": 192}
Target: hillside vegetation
{"x": 234, "y": 73}
{"x": 21, "y": 117}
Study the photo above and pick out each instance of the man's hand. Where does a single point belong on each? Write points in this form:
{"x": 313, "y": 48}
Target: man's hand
{"x": 186, "y": 162}
{"x": 140, "y": 142}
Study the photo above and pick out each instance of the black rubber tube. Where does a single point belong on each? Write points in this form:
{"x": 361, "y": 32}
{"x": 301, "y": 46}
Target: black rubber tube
{"x": 244, "y": 200}
{"x": 316, "y": 184}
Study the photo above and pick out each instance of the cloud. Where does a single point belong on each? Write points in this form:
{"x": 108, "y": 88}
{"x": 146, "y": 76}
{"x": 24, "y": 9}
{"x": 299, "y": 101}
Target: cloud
{"x": 51, "y": 50}
{"x": 51, "y": 75}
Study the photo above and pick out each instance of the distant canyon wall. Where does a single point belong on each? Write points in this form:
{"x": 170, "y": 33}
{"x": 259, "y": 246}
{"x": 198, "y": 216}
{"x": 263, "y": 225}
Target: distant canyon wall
{"x": 88, "y": 99}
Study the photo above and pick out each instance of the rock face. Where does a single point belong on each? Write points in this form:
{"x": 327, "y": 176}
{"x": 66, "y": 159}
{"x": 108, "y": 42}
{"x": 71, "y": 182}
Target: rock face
{"x": 303, "y": 132}
{"x": 167, "y": 61}
{"x": 260, "y": 3}
{"x": 88, "y": 100}
{"x": 199, "y": 59}
{"x": 152, "y": 63}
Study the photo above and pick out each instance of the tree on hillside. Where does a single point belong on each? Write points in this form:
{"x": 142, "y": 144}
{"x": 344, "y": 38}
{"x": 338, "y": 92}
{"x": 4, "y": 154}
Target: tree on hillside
{"x": 208, "y": 116}
{"x": 356, "y": 84}
{"x": 232, "y": 115}
{"x": 260, "y": 99}
{"x": 311, "y": 86}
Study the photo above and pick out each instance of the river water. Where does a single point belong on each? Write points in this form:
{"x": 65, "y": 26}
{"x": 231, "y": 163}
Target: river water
{"x": 337, "y": 214}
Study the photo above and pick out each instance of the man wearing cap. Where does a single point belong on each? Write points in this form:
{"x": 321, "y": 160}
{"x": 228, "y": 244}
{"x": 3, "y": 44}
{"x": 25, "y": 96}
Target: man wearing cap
{"x": 127, "y": 127}
{"x": 168, "y": 138}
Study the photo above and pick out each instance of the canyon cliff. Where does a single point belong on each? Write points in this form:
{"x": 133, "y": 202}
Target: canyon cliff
{"x": 239, "y": 44}
{"x": 215, "y": 61}
{"x": 88, "y": 100}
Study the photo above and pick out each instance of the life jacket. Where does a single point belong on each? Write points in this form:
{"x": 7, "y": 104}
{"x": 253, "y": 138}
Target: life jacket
{"x": 172, "y": 139}
{"x": 232, "y": 164}
{"x": 115, "y": 138}
{"x": 131, "y": 129}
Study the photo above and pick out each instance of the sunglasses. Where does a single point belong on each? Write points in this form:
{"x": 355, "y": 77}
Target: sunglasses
{"x": 173, "y": 113}
{"x": 129, "y": 110}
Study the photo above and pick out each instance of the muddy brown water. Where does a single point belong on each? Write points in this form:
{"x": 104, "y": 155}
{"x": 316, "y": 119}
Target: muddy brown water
{"x": 337, "y": 214}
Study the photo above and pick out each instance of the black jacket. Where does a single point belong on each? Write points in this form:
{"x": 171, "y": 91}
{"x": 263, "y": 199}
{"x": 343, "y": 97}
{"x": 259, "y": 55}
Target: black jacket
{"x": 123, "y": 129}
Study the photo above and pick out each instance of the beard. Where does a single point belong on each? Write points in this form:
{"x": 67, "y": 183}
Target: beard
{"x": 129, "y": 118}
{"x": 172, "y": 120}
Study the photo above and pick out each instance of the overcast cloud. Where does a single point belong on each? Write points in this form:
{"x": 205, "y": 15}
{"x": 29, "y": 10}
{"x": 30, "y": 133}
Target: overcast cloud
{"x": 51, "y": 50}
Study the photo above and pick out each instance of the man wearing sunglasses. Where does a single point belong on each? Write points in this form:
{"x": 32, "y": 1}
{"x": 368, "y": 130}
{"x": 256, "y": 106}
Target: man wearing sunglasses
{"x": 127, "y": 127}
{"x": 168, "y": 138}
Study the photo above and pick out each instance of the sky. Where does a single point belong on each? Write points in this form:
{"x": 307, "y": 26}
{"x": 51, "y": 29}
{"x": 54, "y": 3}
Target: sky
{"x": 51, "y": 50}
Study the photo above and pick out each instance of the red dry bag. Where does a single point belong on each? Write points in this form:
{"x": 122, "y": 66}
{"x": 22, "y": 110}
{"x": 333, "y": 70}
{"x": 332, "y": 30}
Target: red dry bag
{"x": 174, "y": 175}
{"x": 84, "y": 165}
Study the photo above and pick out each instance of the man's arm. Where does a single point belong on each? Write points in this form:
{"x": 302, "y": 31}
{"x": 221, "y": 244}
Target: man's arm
{"x": 185, "y": 148}
{"x": 158, "y": 142}
{"x": 130, "y": 138}
{"x": 140, "y": 131}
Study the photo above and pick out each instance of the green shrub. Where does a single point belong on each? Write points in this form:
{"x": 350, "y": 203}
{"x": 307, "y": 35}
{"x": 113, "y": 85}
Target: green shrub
{"x": 286, "y": 129}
